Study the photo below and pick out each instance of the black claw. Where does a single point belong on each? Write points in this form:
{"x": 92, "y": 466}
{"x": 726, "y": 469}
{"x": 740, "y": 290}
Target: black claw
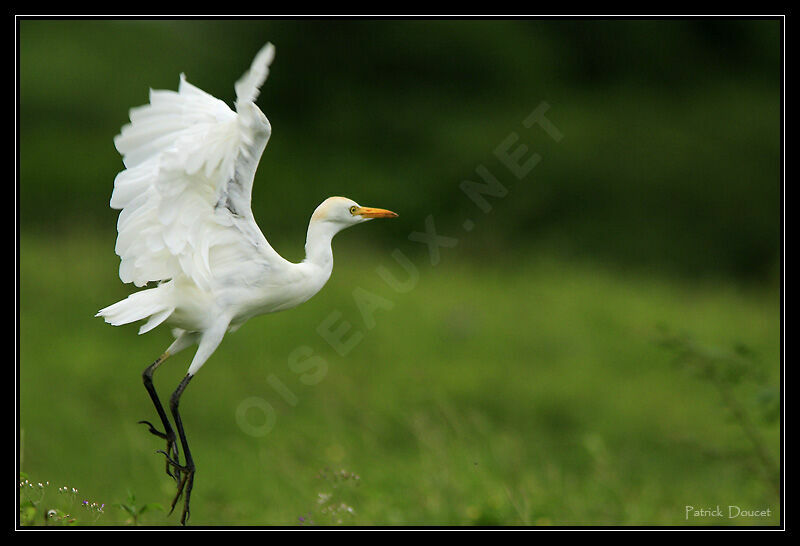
{"x": 185, "y": 516}
{"x": 169, "y": 465}
{"x": 187, "y": 477}
{"x": 154, "y": 430}
{"x": 173, "y": 462}
{"x": 172, "y": 448}
{"x": 185, "y": 485}
{"x": 175, "y": 500}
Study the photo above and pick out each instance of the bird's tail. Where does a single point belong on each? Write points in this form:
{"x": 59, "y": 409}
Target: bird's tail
{"x": 140, "y": 305}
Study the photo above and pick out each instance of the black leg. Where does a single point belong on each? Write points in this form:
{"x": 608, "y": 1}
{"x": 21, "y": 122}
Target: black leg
{"x": 168, "y": 434}
{"x": 187, "y": 480}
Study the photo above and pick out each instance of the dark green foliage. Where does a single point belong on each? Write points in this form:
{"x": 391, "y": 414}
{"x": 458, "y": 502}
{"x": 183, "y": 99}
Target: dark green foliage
{"x": 670, "y": 158}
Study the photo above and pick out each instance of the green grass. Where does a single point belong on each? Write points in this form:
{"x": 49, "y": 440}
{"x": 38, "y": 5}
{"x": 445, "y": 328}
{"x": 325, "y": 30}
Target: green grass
{"x": 525, "y": 392}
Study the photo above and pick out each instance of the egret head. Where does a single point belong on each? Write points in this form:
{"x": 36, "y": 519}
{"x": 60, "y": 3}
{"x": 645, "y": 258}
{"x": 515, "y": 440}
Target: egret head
{"x": 341, "y": 212}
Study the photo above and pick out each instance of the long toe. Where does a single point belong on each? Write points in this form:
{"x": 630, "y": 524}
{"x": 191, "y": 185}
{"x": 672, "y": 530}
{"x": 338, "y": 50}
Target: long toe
{"x": 184, "y": 486}
{"x": 154, "y": 430}
{"x": 172, "y": 458}
{"x": 172, "y": 462}
{"x": 171, "y": 451}
{"x": 188, "y": 494}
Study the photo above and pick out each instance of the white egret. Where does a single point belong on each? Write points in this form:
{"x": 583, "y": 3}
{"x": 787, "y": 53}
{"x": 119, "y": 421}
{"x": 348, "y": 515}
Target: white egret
{"x": 186, "y": 224}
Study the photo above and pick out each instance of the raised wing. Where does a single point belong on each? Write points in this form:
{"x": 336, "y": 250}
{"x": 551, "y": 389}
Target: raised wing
{"x": 185, "y": 193}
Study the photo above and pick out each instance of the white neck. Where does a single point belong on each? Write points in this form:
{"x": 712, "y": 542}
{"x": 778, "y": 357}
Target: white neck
{"x": 318, "y": 243}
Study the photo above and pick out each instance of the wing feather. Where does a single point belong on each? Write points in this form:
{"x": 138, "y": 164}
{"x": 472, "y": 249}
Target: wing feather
{"x": 190, "y": 163}
{"x": 247, "y": 88}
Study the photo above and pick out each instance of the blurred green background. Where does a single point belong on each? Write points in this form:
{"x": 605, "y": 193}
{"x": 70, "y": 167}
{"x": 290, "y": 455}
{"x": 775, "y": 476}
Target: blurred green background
{"x": 603, "y": 347}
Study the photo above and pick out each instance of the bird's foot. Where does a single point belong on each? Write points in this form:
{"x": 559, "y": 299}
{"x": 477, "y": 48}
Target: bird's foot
{"x": 185, "y": 484}
{"x": 171, "y": 452}
{"x": 172, "y": 461}
{"x": 153, "y": 430}
{"x": 185, "y": 490}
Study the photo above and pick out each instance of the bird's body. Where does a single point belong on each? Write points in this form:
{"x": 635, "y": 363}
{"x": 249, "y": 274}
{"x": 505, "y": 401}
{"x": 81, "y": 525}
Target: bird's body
{"x": 187, "y": 225}
{"x": 243, "y": 286}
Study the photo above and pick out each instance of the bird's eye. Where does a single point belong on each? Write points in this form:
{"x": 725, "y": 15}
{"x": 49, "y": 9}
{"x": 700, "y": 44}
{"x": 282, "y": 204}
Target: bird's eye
{"x": 353, "y": 210}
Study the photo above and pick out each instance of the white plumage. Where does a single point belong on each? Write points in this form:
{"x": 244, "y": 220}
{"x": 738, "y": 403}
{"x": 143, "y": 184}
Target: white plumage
{"x": 186, "y": 224}
{"x": 185, "y": 154}
{"x": 186, "y": 220}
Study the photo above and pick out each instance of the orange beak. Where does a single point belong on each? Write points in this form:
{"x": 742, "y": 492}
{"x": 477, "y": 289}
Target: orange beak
{"x": 368, "y": 212}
